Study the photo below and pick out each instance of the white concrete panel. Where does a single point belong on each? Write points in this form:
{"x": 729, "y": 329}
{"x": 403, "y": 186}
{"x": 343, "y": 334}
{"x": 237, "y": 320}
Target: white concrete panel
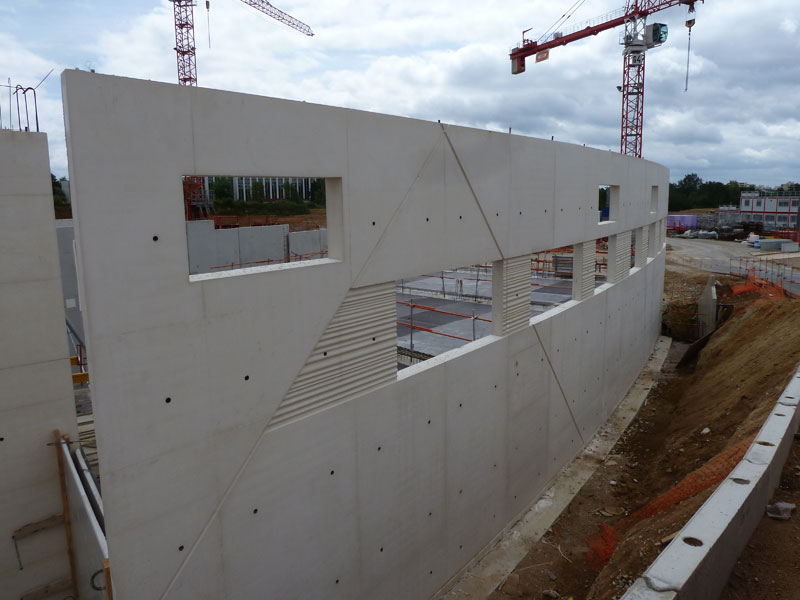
{"x": 373, "y": 201}
{"x": 34, "y": 364}
{"x": 24, "y": 157}
{"x": 533, "y": 185}
{"x": 202, "y": 246}
{"x": 227, "y": 250}
{"x": 25, "y": 245}
{"x": 459, "y": 435}
{"x": 438, "y": 222}
{"x": 262, "y": 244}
{"x": 306, "y": 245}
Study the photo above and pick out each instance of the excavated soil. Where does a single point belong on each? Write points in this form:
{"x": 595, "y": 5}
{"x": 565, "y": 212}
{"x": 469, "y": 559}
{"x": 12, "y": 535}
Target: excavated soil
{"x": 691, "y": 415}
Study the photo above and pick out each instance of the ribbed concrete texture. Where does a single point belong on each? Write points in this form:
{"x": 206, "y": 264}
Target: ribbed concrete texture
{"x": 583, "y": 269}
{"x": 36, "y": 395}
{"x": 511, "y": 289}
{"x": 254, "y": 437}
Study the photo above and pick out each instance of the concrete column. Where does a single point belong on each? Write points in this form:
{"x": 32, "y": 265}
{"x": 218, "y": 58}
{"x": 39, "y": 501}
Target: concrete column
{"x": 619, "y": 256}
{"x": 583, "y": 259}
{"x": 642, "y": 249}
{"x": 652, "y": 235}
{"x": 511, "y": 294}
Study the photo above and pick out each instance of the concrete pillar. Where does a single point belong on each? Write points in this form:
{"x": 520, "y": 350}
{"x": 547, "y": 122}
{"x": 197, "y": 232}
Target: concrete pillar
{"x": 619, "y": 256}
{"x": 652, "y": 235}
{"x": 583, "y": 259}
{"x": 511, "y": 294}
{"x": 642, "y": 249}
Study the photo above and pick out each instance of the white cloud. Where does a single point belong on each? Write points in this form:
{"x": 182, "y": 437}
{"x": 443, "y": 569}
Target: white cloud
{"x": 788, "y": 25}
{"x": 448, "y": 60}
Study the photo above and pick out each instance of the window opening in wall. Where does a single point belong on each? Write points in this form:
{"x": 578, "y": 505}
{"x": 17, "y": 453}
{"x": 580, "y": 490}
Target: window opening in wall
{"x": 552, "y": 275}
{"x": 607, "y": 202}
{"x": 240, "y": 222}
{"x": 437, "y": 312}
{"x": 654, "y": 199}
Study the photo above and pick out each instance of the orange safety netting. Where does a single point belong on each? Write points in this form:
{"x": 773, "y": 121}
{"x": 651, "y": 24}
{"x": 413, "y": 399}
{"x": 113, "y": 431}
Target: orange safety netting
{"x": 602, "y": 545}
{"x": 764, "y": 287}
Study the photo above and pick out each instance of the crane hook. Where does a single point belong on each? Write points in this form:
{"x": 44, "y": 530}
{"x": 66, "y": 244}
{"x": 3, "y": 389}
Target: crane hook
{"x": 689, "y": 25}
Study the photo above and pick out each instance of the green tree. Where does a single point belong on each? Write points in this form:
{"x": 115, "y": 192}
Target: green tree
{"x": 59, "y": 197}
{"x": 222, "y": 190}
{"x": 291, "y": 194}
{"x": 689, "y": 184}
{"x": 257, "y": 191}
{"x": 602, "y": 197}
{"x": 318, "y": 193}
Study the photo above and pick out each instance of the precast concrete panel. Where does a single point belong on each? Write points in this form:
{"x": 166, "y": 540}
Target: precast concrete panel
{"x": 201, "y": 246}
{"x": 35, "y": 377}
{"x": 262, "y": 245}
{"x": 257, "y": 408}
{"x": 306, "y": 245}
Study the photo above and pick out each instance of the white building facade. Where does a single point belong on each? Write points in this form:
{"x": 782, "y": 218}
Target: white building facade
{"x": 776, "y": 210}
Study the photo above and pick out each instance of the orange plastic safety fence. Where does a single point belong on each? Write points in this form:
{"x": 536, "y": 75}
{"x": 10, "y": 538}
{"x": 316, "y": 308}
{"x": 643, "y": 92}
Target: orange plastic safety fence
{"x": 754, "y": 283}
{"x": 602, "y": 545}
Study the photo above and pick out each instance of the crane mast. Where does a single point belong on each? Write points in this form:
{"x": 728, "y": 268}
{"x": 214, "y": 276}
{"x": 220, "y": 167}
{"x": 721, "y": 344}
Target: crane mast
{"x": 637, "y": 38}
{"x": 197, "y": 202}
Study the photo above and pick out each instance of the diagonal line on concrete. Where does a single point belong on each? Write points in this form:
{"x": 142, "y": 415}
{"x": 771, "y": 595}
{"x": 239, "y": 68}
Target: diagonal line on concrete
{"x": 558, "y": 381}
{"x": 471, "y": 190}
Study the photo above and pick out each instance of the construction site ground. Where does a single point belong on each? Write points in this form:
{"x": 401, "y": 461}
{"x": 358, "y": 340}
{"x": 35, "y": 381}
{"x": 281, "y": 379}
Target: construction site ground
{"x": 693, "y": 414}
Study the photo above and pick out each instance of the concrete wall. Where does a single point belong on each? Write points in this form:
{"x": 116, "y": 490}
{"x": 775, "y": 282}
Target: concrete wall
{"x": 214, "y": 250}
{"x": 707, "y": 308}
{"x": 35, "y": 384}
{"x": 254, "y": 435}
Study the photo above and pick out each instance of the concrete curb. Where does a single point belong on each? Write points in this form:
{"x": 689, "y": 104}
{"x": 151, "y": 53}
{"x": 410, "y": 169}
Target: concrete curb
{"x": 699, "y": 560}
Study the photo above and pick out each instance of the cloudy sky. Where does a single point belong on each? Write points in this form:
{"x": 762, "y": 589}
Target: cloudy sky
{"x": 448, "y": 60}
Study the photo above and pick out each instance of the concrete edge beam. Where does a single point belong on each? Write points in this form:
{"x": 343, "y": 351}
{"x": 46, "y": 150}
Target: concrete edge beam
{"x": 699, "y": 560}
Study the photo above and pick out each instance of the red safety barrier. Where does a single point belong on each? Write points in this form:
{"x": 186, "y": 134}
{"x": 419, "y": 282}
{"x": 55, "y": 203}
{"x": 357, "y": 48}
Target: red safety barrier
{"x": 444, "y": 312}
{"x": 434, "y": 332}
{"x": 602, "y": 545}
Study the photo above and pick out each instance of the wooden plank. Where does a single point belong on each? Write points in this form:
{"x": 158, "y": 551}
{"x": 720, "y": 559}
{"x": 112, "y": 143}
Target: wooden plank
{"x": 107, "y": 574}
{"x": 37, "y": 526}
{"x": 46, "y": 591}
{"x": 80, "y": 378}
{"x": 65, "y": 506}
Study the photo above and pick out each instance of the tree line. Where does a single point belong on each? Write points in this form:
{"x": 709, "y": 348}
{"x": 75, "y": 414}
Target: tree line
{"x": 255, "y": 201}
{"x": 692, "y": 192}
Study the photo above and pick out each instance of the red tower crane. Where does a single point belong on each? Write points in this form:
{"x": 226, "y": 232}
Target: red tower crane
{"x": 637, "y": 38}
{"x": 197, "y": 204}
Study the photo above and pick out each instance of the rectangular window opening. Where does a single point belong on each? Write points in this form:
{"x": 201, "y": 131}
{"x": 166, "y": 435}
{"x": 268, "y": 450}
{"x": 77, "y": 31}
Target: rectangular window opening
{"x": 654, "y": 199}
{"x": 236, "y": 222}
{"x": 607, "y": 203}
{"x": 441, "y": 311}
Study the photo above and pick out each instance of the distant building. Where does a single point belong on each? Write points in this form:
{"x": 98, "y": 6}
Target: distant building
{"x": 273, "y": 187}
{"x": 64, "y": 183}
{"x": 775, "y": 209}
